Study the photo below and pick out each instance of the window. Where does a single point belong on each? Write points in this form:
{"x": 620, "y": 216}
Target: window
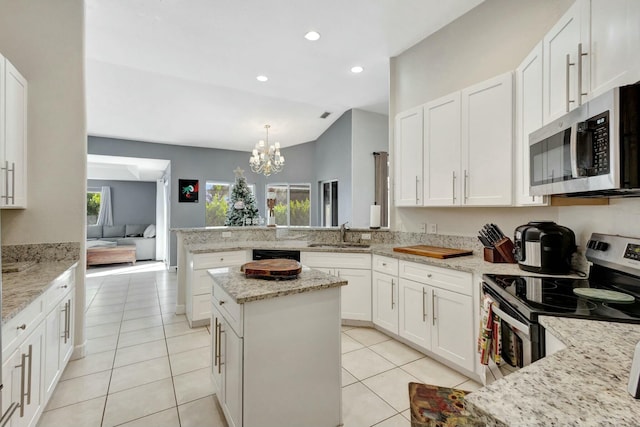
{"x": 93, "y": 206}
{"x": 292, "y": 204}
{"x": 217, "y": 202}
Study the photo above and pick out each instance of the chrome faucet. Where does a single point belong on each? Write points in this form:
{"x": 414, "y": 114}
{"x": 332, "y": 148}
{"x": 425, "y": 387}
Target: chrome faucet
{"x": 343, "y": 231}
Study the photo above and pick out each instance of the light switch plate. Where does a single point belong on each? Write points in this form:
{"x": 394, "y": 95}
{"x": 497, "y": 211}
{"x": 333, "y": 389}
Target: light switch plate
{"x": 432, "y": 229}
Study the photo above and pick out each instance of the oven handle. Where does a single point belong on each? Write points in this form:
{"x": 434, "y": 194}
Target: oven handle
{"x": 521, "y": 327}
{"x": 573, "y": 150}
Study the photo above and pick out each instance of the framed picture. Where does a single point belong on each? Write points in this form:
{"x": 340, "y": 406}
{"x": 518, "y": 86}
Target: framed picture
{"x": 188, "y": 190}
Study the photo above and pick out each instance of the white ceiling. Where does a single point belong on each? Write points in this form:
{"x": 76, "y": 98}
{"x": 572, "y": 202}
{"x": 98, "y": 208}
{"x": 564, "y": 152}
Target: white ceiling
{"x": 184, "y": 71}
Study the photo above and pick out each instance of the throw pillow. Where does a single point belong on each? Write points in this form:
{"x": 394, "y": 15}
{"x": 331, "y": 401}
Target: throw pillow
{"x": 150, "y": 231}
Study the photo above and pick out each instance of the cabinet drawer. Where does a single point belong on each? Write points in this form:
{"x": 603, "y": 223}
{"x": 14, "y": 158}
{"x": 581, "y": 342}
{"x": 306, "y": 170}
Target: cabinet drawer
{"x": 218, "y": 259}
{"x": 385, "y": 264}
{"x": 335, "y": 260}
{"x": 231, "y": 310}
{"x": 13, "y": 332}
{"x": 444, "y": 278}
{"x": 202, "y": 283}
{"x": 59, "y": 289}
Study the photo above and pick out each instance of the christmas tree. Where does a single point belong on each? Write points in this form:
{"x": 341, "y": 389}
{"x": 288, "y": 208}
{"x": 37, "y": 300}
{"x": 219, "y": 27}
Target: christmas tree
{"x": 242, "y": 204}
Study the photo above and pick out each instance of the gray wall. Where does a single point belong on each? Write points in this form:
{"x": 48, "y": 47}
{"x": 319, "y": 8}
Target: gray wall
{"x": 207, "y": 164}
{"x": 132, "y": 202}
{"x": 333, "y": 161}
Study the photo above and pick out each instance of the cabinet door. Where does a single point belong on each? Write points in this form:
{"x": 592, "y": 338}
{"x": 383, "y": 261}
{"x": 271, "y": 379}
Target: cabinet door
{"x": 14, "y": 178}
{"x": 11, "y": 385}
{"x": 614, "y": 43}
{"x": 528, "y": 119}
{"x": 32, "y": 350}
{"x": 441, "y": 151}
{"x": 52, "y": 364}
{"x": 355, "y": 298}
{"x": 231, "y": 359}
{"x": 453, "y": 330}
{"x": 487, "y": 140}
{"x": 216, "y": 368}
{"x": 560, "y": 94}
{"x": 408, "y": 158}
{"x": 385, "y": 301}
{"x": 415, "y": 315}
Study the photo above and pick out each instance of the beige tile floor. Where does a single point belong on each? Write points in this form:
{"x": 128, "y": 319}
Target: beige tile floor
{"x": 146, "y": 367}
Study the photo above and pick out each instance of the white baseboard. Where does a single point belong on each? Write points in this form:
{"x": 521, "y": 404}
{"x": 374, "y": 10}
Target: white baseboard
{"x": 79, "y": 351}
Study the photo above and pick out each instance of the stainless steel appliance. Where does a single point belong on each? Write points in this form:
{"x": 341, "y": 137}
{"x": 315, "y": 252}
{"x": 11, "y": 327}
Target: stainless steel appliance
{"x": 259, "y": 254}
{"x": 592, "y": 151}
{"x": 611, "y": 293}
{"x": 544, "y": 247}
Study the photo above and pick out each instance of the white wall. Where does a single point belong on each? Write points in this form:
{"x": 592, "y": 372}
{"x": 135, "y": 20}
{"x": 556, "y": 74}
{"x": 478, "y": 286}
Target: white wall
{"x": 491, "y": 39}
{"x": 370, "y": 132}
{"x": 45, "y": 41}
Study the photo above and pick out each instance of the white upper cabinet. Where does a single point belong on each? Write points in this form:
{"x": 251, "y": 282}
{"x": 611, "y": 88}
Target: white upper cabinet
{"x": 528, "y": 119}
{"x": 408, "y": 158}
{"x": 442, "y": 183}
{"x": 615, "y": 37}
{"x": 487, "y": 141}
{"x": 564, "y": 69}
{"x": 13, "y": 137}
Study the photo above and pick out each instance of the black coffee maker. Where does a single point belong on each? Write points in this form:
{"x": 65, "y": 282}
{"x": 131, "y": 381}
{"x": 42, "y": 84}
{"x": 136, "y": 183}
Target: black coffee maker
{"x": 544, "y": 247}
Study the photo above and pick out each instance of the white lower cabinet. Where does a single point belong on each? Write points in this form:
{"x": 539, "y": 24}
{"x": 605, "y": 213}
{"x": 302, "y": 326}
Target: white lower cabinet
{"x": 198, "y": 283}
{"x": 270, "y": 358}
{"x": 37, "y": 348}
{"x": 436, "y": 311}
{"x": 385, "y": 301}
{"x": 355, "y": 298}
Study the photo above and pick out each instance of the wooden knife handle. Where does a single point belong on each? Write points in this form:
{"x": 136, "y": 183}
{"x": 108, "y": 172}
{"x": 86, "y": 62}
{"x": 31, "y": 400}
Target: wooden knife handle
{"x": 505, "y": 247}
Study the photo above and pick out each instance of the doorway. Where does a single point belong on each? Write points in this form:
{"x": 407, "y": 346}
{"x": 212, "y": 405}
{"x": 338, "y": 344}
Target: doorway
{"x": 329, "y": 203}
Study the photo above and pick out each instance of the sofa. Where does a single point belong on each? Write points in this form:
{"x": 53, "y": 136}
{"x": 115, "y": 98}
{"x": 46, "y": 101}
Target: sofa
{"x": 143, "y": 236}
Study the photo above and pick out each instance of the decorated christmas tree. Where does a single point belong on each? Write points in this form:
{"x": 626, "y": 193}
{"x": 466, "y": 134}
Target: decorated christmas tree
{"x": 242, "y": 204}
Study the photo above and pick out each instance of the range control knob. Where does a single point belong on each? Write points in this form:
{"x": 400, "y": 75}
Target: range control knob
{"x": 601, "y": 246}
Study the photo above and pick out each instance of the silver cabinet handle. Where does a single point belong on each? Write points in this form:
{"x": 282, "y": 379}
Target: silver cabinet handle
{"x": 433, "y": 306}
{"x": 417, "y": 199}
{"x": 429, "y": 275}
{"x": 466, "y": 178}
{"x": 68, "y": 322}
{"x": 13, "y": 183}
{"x": 64, "y": 333}
{"x": 424, "y": 304}
{"x": 221, "y": 259}
{"x": 392, "y": 302}
{"x": 221, "y": 302}
{"x": 216, "y": 355}
{"x": 220, "y": 332}
{"x": 23, "y": 326}
{"x": 9, "y": 413}
{"x": 64, "y": 286}
{"x": 580, "y": 55}
{"x": 453, "y": 188}
{"x": 384, "y": 264}
{"x": 5, "y": 196}
{"x": 568, "y": 65}
{"x": 23, "y": 378}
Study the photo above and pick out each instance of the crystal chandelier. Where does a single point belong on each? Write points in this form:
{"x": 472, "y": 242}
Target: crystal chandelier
{"x": 265, "y": 158}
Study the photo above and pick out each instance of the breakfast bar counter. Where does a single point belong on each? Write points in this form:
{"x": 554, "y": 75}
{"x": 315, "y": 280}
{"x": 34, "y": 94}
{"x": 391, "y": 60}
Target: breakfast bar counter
{"x": 584, "y": 384}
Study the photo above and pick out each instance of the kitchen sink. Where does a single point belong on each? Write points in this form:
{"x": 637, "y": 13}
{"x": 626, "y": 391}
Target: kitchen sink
{"x": 338, "y": 245}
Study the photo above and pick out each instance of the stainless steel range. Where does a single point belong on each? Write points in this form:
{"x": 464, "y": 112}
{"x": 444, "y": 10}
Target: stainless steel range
{"x": 611, "y": 293}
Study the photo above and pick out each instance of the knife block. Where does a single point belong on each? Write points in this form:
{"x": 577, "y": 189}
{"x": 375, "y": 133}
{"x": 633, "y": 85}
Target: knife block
{"x": 502, "y": 252}
{"x": 492, "y": 255}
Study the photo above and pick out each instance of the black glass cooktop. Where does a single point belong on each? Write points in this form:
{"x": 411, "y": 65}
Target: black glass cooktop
{"x": 533, "y": 296}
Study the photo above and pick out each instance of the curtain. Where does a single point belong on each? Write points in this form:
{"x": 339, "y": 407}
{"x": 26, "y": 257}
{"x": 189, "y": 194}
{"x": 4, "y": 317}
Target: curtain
{"x": 105, "y": 215}
{"x": 381, "y": 162}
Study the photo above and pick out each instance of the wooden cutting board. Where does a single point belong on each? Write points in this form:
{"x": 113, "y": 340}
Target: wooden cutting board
{"x": 433, "y": 251}
{"x": 278, "y": 268}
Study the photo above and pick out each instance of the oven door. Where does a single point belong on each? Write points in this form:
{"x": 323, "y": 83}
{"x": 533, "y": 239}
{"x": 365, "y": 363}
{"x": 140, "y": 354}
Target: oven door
{"x": 521, "y": 338}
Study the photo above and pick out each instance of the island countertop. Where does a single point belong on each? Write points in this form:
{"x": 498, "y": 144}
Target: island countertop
{"x": 584, "y": 384}
{"x": 246, "y": 289}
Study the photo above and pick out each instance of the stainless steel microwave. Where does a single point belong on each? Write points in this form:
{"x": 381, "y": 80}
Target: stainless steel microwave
{"x": 593, "y": 151}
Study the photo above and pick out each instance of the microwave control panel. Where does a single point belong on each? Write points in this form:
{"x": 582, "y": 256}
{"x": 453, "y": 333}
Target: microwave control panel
{"x": 594, "y": 136}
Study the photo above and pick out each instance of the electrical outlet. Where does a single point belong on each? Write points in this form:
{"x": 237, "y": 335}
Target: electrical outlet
{"x": 432, "y": 229}
{"x": 423, "y": 228}
{"x": 226, "y": 234}
{"x": 365, "y": 236}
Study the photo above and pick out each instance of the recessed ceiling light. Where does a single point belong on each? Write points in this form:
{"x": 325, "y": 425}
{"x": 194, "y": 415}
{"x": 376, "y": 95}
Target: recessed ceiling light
{"x": 357, "y": 69}
{"x": 312, "y": 36}
{"x": 262, "y": 78}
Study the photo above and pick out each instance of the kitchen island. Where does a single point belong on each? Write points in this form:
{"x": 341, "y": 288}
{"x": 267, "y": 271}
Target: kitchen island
{"x": 276, "y": 357}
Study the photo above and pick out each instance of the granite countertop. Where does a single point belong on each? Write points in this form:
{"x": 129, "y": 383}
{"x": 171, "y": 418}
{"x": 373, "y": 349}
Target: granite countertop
{"x": 582, "y": 385}
{"x": 21, "y": 288}
{"x": 243, "y": 289}
{"x": 471, "y": 263}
